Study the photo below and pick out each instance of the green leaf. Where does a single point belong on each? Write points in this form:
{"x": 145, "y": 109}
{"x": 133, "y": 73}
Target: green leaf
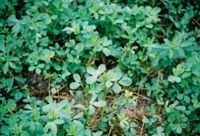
{"x": 125, "y": 81}
{"x": 91, "y": 110}
{"x": 91, "y": 70}
{"x": 181, "y": 108}
{"x": 106, "y": 42}
{"x": 5, "y": 68}
{"x": 52, "y": 127}
{"x": 16, "y": 27}
{"x": 3, "y": 4}
{"x": 99, "y": 103}
{"x": 99, "y": 133}
{"x": 74, "y": 85}
{"x": 107, "y": 51}
{"x": 20, "y": 79}
{"x": 114, "y": 74}
{"x": 155, "y": 10}
{"x": 9, "y": 83}
{"x": 186, "y": 99}
{"x": 12, "y": 65}
{"x": 25, "y": 133}
{"x": 179, "y": 130}
{"x": 196, "y": 69}
{"x": 79, "y": 115}
{"x": 173, "y": 79}
{"x": 91, "y": 79}
{"x": 145, "y": 120}
{"x": 47, "y": 55}
{"x": 77, "y": 78}
{"x": 37, "y": 70}
{"x": 11, "y": 105}
{"x": 159, "y": 129}
{"x": 5, "y": 130}
{"x": 116, "y": 88}
{"x": 2, "y": 45}
{"x": 59, "y": 121}
{"x": 108, "y": 84}
{"x": 101, "y": 69}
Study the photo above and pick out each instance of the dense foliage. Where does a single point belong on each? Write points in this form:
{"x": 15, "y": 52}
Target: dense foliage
{"x": 99, "y": 67}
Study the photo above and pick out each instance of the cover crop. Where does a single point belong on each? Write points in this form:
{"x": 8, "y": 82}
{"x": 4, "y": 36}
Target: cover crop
{"x": 99, "y": 67}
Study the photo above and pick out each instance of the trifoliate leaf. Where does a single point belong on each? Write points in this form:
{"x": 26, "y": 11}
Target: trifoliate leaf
{"x": 173, "y": 79}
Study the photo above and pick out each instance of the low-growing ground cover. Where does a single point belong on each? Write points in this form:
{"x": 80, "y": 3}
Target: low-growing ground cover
{"x": 99, "y": 67}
